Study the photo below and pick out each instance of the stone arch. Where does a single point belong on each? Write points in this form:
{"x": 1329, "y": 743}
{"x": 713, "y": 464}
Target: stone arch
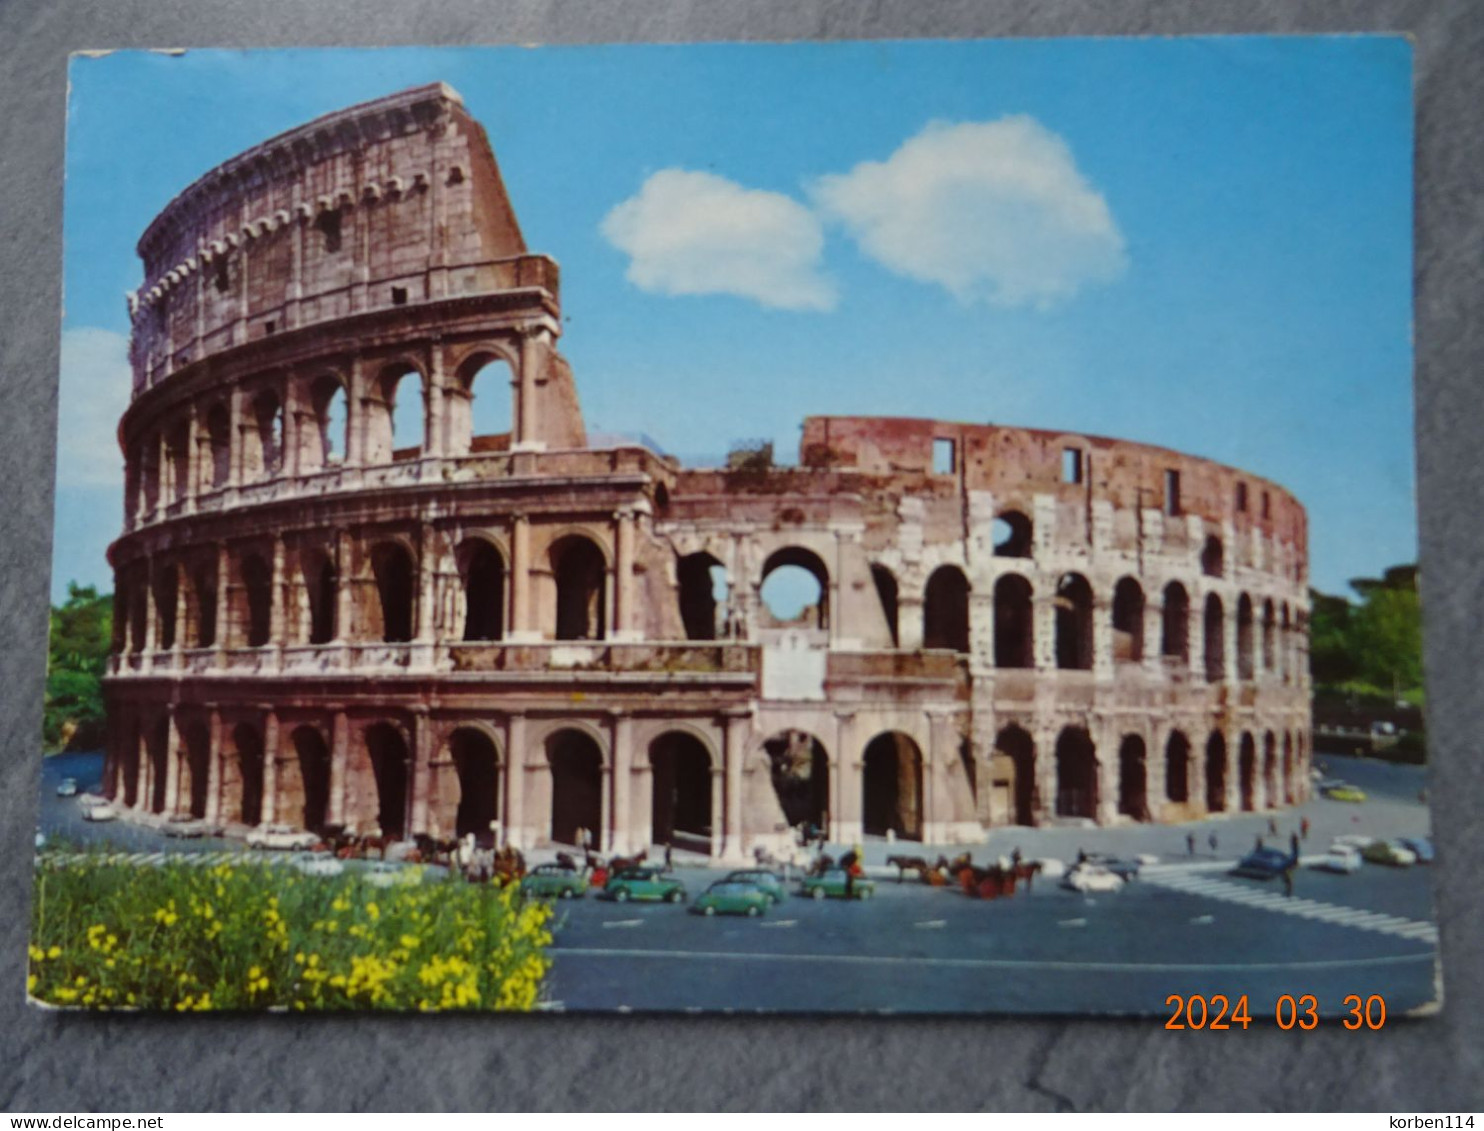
{"x": 891, "y": 786}
{"x": 307, "y": 785}
{"x": 157, "y": 750}
{"x": 800, "y": 770}
{"x": 1269, "y": 631}
{"x": 476, "y": 759}
{"x": 257, "y": 598}
{"x": 321, "y": 591}
{"x": 398, "y": 391}
{"x": 395, "y": 576}
{"x": 195, "y": 768}
{"x": 129, "y": 764}
{"x": 1128, "y": 621}
{"x": 166, "y": 589}
{"x": 945, "y": 610}
{"x": 1175, "y": 624}
{"x": 576, "y": 763}
{"x": 1076, "y": 774}
{"x": 219, "y": 443}
{"x": 1012, "y": 775}
{"x": 201, "y": 604}
{"x": 178, "y": 459}
{"x": 699, "y": 575}
{"x": 481, "y": 405}
{"x": 1271, "y": 794}
{"x": 1133, "y": 778}
{"x": 1014, "y": 623}
{"x": 1073, "y": 623}
{"x": 1289, "y": 797}
{"x": 1177, "y": 768}
{"x": 264, "y": 455}
{"x": 1012, "y": 533}
{"x": 680, "y": 782}
{"x": 387, "y": 751}
{"x": 137, "y": 599}
{"x": 1244, "y": 638}
{"x": 1247, "y": 772}
{"x": 799, "y": 558}
{"x": 888, "y": 593}
{"x": 247, "y": 762}
{"x": 1213, "y": 557}
{"x": 1215, "y": 639}
{"x": 329, "y": 404}
{"x": 580, "y": 570}
{"x": 483, "y": 575}
{"x": 1284, "y": 640}
{"x": 1216, "y": 772}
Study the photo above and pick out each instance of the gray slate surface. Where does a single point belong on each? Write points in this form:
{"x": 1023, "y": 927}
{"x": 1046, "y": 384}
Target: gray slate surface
{"x": 62, "y": 1063}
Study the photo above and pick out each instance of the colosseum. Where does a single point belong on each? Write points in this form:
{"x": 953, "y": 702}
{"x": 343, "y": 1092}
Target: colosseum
{"x": 545, "y": 640}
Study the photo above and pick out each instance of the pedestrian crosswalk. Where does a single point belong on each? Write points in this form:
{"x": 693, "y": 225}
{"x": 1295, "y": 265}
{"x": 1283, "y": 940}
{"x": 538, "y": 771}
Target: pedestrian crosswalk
{"x": 1197, "y": 883}
{"x": 154, "y": 859}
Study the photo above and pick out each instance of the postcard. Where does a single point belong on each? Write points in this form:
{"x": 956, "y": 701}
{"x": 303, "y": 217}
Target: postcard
{"x": 885, "y": 527}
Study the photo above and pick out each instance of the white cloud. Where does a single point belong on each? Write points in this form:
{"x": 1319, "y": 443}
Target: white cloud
{"x": 94, "y": 393}
{"x": 691, "y": 233}
{"x": 995, "y": 212}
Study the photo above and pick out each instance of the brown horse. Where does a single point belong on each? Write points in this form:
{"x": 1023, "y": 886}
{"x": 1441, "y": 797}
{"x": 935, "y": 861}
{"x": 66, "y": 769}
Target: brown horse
{"x": 918, "y": 864}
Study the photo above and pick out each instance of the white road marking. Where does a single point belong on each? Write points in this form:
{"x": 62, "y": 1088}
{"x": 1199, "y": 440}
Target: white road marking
{"x": 1071, "y": 922}
{"x": 1203, "y": 920}
{"x": 781, "y": 923}
{"x": 624, "y": 923}
{"x": 932, "y": 924}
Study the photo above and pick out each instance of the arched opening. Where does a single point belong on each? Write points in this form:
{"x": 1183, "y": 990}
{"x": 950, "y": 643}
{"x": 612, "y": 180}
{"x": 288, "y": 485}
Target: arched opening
{"x": 313, "y": 758}
{"x": 1014, "y": 623}
{"x": 1284, "y": 665}
{"x": 483, "y": 572}
{"x": 581, "y": 574}
{"x": 1270, "y": 770}
{"x": 1011, "y": 532}
{"x": 249, "y": 756}
{"x": 886, "y": 591}
{"x": 681, "y": 795}
{"x": 392, "y": 567}
{"x": 892, "y": 787}
{"x": 167, "y": 582}
{"x": 1269, "y": 631}
{"x": 321, "y": 586}
{"x": 576, "y": 789}
{"x": 195, "y": 758}
{"x": 405, "y": 426}
{"x": 130, "y": 768}
{"x": 257, "y": 590}
{"x": 795, "y": 588}
{"x": 1013, "y": 776}
{"x": 1288, "y": 792}
{"x": 1133, "y": 779}
{"x": 387, "y": 750}
{"x": 138, "y": 599}
{"x": 1213, "y": 557}
{"x": 1177, "y": 768}
{"x": 481, "y": 421}
{"x": 331, "y": 441}
{"x": 157, "y": 745}
{"x": 801, "y": 777}
{"x": 203, "y": 591}
{"x": 1128, "y": 622}
{"x": 945, "y": 610}
{"x": 178, "y": 452}
{"x": 1175, "y": 625}
{"x": 1247, "y": 772}
{"x": 477, "y": 763}
{"x": 703, "y": 591}
{"x": 1244, "y": 637}
{"x": 1076, "y": 774}
{"x": 1074, "y": 623}
{"x": 147, "y": 459}
{"x": 1216, "y": 773}
{"x": 219, "y": 438}
{"x": 266, "y": 454}
{"x": 1215, "y": 640}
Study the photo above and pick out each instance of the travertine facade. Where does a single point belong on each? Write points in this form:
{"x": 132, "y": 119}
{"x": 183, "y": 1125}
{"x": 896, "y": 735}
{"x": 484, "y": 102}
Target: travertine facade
{"x": 528, "y": 633}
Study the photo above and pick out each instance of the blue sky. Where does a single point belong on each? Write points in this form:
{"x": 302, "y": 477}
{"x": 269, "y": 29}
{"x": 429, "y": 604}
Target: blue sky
{"x": 1200, "y": 243}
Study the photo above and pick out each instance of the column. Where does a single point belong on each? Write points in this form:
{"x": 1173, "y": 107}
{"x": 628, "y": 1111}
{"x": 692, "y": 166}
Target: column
{"x": 522, "y": 616}
{"x": 1043, "y": 613}
{"x": 345, "y": 588}
{"x": 213, "y": 767}
{"x": 1045, "y": 739}
{"x": 620, "y": 836}
{"x": 1107, "y": 748}
{"x": 515, "y": 781}
{"x": 1102, "y": 637}
{"x": 1229, "y": 638}
{"x": 144, "y": 776}
{"x": 223, "y": 604}
{"x": 193, "y": 461}
{"x": 150, "y": 613}
{"x": 845, "y": 797}
{"x": 178, "y": 644}
{"x": 339, "y": 759}
{"x": 172, "y": 762}
{"x": 937, "y": 807}
{"x": 433, "y": 422}
{"x": 625, "y": 618}
{"x": 270, "y": 765}
{"x": 420, "y": 772}
{"x": 735, "y": 726}
{"x": 909, "y": 616}
{"x": 293, "y": 430}
{"x": 237, "y": 437}
{"x": 1154, "y": 625}
{"x": 278, "y": 616}
{"x": 1195, "y": 766}
{"x": 355, "y": 415}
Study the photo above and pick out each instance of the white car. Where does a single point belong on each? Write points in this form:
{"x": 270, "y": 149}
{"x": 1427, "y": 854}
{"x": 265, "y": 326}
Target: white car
{"x": 281, "y": 836}
{"x": 67, "y": 788}
{"x": 100, "y": 811}
{"x": 316, "y": 864}
{"x": 385, "y": 874}
{"x": 1352, "y": 840}
{"x": 1052, "y": 868}
{"x": 1389, "y": 852}
{"x": 1344, "y": 858}
{"x": 1091, "y": 877}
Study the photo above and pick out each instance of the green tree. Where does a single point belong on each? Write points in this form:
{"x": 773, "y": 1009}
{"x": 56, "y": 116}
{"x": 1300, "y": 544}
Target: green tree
{"x": 1373, "y": 644}
{"x": 81, "y": 636}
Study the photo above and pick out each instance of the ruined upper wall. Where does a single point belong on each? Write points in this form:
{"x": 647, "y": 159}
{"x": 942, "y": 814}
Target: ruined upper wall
{"x": 393, "y": 201}
{"x": 1016, "y": 464}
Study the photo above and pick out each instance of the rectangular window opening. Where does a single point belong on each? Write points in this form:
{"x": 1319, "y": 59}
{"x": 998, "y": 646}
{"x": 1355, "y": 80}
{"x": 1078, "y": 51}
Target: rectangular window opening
{"x": 270, "y": 327}
{"x": 1242, "y": 498}
{"x": 1172, "y": 492}
{"x": 399, "y": 296}
{"x": 1071, "y": 465}
{"x": 944, "y": 457}
{"x": 1267, "y": 506}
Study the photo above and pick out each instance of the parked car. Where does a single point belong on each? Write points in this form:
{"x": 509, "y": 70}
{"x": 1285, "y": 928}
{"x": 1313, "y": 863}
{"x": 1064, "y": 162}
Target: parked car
{"x": 770, "y": 882}
{"x": 833, "y": 883}
{"x": 1051, "y": 867}
{"x": 1356, "y": 841}
{"x": 1420, "y": 846}
{"x": 1092, "y": 877}
{"x": 547, "y": 881}
{"x": 186, "y": 827}
{"x": 732, "y": 898}
{"x": 1343, "y": 858}
{"x": 1263, "y": 864}
{"x": 1344, "y": 791}
{"x": 1389, "y": 852}
{"x": 1125, "y": 868}
{"x": 387, "y": 874}
{"x": 644, "y": 883}
{"x": 67, "y": 787}
{"x": 316, "y": 864}
{"x": 99, "y": 811}
{"x": 284, "y": 837}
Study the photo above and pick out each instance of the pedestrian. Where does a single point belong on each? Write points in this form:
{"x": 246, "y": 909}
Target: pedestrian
{"x": 1304, "y": 828}
{"x": 1288, "y": 881}
{"x": 1015, "y": 857}
{"x": 669, "y": 852}
{"x": 1190, "y": 844}
{"x": 1258, "y": 846}
{"x": 1211, "y": 840}
{"x": 1272, "y": 826}
{"x": 1293, "y": 846}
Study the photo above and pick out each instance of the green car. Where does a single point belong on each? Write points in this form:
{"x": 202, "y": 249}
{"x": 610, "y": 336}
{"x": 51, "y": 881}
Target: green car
{"x": 770, "y": 882}
{"x": 833, "y": 884}
{"x": 553, "y": 881}
{"x": 644, "y": 883}
{"x": 725, "y": 898}
{"x": 1344, "y": 792}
